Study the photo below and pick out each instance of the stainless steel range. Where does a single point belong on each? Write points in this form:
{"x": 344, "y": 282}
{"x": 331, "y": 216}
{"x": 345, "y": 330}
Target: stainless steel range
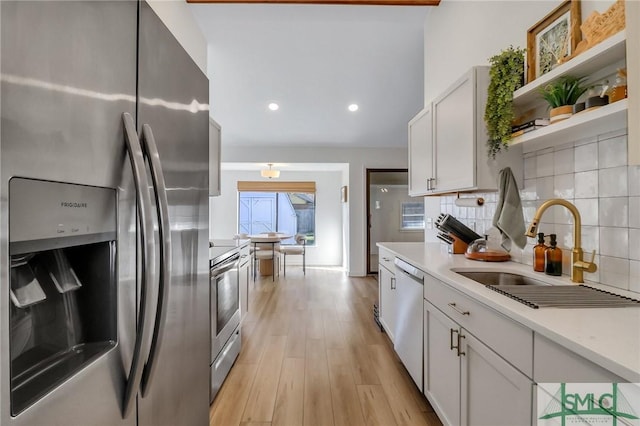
{"x": 225, "y": 315}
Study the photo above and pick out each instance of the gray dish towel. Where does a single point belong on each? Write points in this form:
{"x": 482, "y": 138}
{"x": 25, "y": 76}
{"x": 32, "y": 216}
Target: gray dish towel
{"x": 509, "y": 218}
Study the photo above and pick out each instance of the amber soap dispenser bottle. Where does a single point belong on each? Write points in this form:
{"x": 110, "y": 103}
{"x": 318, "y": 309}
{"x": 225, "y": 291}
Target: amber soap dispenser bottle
{"x": 538, "y": 253}
{"x": 553, "y": 258}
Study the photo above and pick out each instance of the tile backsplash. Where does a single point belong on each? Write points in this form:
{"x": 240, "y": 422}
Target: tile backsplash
{"x": 594, "y": 175}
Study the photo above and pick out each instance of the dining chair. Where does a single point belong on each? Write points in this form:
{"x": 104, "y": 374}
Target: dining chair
{"x": 298, "y": 249}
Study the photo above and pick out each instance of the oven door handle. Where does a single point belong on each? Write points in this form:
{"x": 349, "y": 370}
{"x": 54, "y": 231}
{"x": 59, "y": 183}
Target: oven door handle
{"x": 147, "y": 270}
{"x": 224, "y": 268}
{"x": 150, "y": 151}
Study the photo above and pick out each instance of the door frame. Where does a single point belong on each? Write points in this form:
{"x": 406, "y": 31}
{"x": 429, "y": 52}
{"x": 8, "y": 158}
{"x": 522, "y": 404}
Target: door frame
{"x": 368, "y": 211}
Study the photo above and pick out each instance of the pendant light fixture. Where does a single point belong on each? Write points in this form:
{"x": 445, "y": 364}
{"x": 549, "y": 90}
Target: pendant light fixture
{"x": 270, "y": 173}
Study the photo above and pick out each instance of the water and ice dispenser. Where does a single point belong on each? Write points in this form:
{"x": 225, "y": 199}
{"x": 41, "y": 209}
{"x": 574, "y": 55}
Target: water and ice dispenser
{"x": 63, "y": 283}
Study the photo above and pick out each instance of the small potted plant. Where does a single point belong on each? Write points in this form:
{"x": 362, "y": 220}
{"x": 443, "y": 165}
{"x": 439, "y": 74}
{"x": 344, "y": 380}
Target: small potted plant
{"x": 561, "y": 95}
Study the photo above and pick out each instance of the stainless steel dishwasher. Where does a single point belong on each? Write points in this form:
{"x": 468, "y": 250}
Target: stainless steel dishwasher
{"x": 409, "y": 322}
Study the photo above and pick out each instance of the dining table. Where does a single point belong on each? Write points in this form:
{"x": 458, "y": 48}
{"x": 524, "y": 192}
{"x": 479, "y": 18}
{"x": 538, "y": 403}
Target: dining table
{"x": 266, "y": 266}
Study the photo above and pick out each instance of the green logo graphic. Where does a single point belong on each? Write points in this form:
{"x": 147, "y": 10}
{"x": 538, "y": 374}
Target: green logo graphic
{"x": 588, "y": 405}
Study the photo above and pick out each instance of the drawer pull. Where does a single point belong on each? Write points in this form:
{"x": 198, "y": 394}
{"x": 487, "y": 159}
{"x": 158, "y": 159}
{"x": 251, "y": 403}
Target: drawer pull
{"x": 458, "y": 310}
{"x": 386, "y": 259}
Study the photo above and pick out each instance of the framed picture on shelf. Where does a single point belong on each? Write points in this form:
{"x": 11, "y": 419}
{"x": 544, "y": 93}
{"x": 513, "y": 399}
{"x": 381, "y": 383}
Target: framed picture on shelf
{"x": 553, "y": 39}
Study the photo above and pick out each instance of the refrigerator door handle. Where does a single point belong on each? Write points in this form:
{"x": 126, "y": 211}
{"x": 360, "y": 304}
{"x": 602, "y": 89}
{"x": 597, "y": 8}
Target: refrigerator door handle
{"x": 147, "y": 269}
{"x": 164, "y": 229}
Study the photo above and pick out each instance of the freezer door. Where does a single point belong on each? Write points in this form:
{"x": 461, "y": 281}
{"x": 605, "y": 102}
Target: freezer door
{"x": 68, "y": 73}
{"x": 173, "y": 101}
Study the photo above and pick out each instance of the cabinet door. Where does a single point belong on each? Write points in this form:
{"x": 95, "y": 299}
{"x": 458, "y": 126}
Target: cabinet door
{"x": 441, "y": 364}
{"x": 454, "y": 136}
{"x": 421, "y": 152}
{"x": 243, "y": 279}
{"x": 387, "y": 283}
{"x": 492, "y": 391}
{"x": 215, "y": 140}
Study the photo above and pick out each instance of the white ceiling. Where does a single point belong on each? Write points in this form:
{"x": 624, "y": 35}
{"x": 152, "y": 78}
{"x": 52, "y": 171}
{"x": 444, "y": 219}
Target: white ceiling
{"x": 314, "y": 60}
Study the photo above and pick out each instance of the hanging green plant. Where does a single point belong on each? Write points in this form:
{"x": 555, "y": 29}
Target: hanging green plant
{"x": 506, "y": 75}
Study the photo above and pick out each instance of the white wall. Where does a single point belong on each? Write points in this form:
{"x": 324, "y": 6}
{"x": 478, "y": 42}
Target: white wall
{"x": 461, "y": 34}
{"x": 177, "y": 16}
{"x": 359, "y": 160}
{"x": 328, "y": 246}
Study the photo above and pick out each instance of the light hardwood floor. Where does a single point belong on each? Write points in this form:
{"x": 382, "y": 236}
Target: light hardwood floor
{"x": 312, "y": 355}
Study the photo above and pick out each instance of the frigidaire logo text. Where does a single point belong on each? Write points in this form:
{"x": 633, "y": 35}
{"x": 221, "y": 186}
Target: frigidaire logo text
{"x": 73, "y": 204}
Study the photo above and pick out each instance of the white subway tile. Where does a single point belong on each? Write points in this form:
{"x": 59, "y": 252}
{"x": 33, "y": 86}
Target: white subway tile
{"x": 564, "y": 236}
{"x": 544, "y": 165}
{"x": 586, "y": 157}
{"x": 614, "y": 242}
{"x": 528, "y": 192}
{"x": 563, "y": 186}
{"x": 544, "y": 187}
{"x": 586, "y": 141}
{"x": 614, "y": 212}
{"x": 614, "y": 272}
{"x": 613, "y": 182}
{"x": 588, "y": 208}
{"x": 634, "y": 276}
{"x": 634, "y": 244}
{"x": 612, "y": 152}
{"x": 613, "y": 134}
{"x": 563, "y": 161}
{"x": 530, "y": 170}
{"x": 529, "y": 210}
{"x": 634, "y": 180}
{"x": 590, "y": 239}
{"x": 586, "y": 184}
{"x": 634, "y": 212}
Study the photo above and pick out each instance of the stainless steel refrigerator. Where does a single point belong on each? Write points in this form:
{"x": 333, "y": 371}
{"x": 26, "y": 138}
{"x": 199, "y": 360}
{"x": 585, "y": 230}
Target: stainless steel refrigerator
{"x": 104, "y": 307}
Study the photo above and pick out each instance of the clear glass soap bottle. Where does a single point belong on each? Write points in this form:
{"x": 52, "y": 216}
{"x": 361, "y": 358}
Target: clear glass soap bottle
{"x": 538, "y": 253}
{"x": 553, "y": 258}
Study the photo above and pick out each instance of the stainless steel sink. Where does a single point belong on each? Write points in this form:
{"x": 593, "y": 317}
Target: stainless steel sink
{"x": 538, "y": 294}
{"x": 500, "y": 278}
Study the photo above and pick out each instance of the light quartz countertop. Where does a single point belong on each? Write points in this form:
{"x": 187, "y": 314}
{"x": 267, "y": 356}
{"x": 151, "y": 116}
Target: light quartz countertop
{"x": 609, "y": 337}
{"x": 219, "y": 247}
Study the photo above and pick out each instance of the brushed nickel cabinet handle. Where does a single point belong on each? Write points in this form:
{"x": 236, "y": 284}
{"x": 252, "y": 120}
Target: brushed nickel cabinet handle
{"x": 451, "y": 345}
{"x": 453, "y": 306}
{"x": 393, "y": 283}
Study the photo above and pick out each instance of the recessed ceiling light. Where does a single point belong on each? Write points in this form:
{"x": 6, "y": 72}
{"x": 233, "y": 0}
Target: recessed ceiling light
{"x": 273, "y": 106}
{"x": 353, "y": 107}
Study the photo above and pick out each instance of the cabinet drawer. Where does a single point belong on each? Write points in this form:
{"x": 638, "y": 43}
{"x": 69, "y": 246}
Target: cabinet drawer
{"x": 385, "y": 258}
{"x": 509, "y": 339}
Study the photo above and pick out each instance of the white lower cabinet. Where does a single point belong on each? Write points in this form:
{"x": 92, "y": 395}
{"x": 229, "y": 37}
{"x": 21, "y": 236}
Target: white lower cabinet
{"x": 387, "y": 297}
{"x": 467, "y": 381}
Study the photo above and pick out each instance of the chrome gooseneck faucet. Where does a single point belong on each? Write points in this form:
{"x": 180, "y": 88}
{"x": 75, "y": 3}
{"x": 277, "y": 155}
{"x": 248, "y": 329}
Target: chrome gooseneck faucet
{"x": 578, "y": 265}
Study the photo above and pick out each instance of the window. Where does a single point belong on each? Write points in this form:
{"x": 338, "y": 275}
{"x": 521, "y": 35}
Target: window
{"x": 412, "y": 216}
{"x": 285, "y": 209}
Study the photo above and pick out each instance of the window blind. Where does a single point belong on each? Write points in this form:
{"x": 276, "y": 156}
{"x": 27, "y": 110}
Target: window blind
{"x": 278, "y": 186}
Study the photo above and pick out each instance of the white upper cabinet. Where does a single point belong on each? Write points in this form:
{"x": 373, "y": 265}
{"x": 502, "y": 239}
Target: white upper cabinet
{"x": 449, "y": 154}
{"x": 420, "y": 152}
{"x": 215, "y": 140}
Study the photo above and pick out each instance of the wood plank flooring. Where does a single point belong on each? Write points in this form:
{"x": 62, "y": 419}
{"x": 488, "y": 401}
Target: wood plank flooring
{"x": 312, "y": 356}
